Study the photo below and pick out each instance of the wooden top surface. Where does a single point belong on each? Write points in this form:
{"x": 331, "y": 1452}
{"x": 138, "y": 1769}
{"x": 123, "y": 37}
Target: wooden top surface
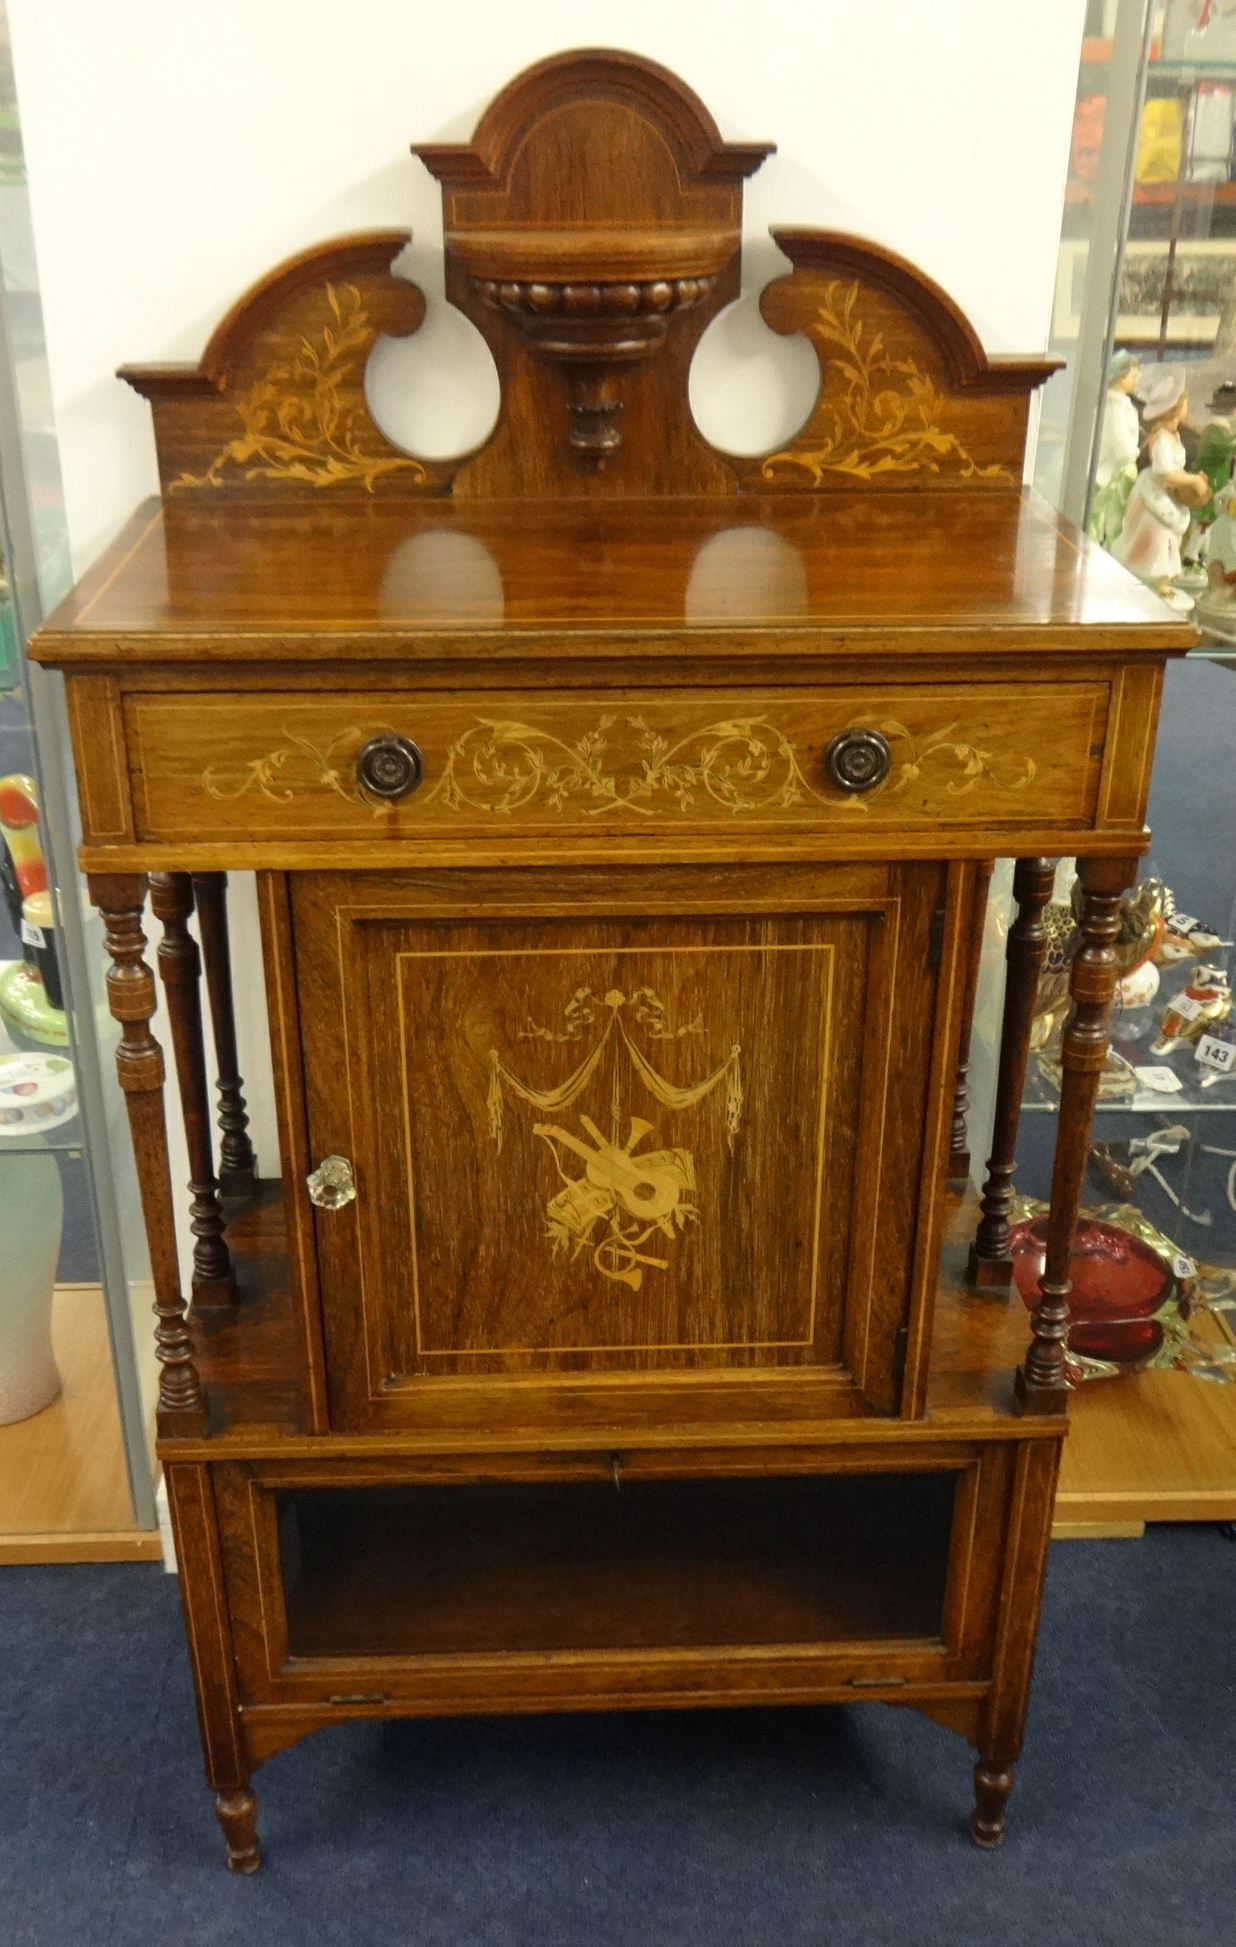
{"x": 291, "y": 580}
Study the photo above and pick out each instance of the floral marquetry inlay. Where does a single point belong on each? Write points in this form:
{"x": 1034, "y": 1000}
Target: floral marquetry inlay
{"x": 305, "y": 418}
{"x": 876, "y": 414}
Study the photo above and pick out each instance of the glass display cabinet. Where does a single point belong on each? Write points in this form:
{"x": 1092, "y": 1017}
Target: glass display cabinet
{"x": 76, "y": 1478}
{"x": 1137, "y": 441}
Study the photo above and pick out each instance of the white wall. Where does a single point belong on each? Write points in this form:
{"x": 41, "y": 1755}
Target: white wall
{"x": 177, "y": 150}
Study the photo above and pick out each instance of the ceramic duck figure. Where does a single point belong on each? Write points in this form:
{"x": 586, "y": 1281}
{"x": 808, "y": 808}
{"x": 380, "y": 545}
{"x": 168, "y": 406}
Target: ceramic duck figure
{"x": 1207, "y": 999}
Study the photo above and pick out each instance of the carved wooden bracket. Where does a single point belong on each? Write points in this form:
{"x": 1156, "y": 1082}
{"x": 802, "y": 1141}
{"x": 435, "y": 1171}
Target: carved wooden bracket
{"x": 592, "y": 232}
{"x": 588, "y": 333}
{"x": 595, "y": 205}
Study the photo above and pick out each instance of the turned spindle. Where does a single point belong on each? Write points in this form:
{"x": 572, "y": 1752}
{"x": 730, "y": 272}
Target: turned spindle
{"x": 139, "y": 1066}
{"x": 171, "y": 898}
{"x": 990, "y": 1263}
{"x": 1041, "y": 1381}
{"x": 959, "y": 1141}
{"x": 237, "y": 1163}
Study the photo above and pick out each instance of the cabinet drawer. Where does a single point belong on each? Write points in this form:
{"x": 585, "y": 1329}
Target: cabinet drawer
{"x": 270, "y": 765}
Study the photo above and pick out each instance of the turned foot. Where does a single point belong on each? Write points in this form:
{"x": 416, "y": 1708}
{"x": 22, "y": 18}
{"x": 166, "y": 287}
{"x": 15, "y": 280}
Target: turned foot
{"x": 992, "y": 1785}
{"x": 237, "y": 1814}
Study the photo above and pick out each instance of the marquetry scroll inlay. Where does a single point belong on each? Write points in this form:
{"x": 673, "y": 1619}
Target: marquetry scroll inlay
{"x": 628, "y": 1203}
{"x": 622, "y": 767}
{"x": 305, "y": 417}
{"x": 876, "y": 414}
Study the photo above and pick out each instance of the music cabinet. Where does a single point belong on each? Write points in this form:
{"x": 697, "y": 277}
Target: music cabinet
{"x": 622, "y": 813}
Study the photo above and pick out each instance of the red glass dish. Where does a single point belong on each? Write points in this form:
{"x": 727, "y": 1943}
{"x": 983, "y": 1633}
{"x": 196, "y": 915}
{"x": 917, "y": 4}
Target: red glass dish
{"x": 1119, "y": 1283}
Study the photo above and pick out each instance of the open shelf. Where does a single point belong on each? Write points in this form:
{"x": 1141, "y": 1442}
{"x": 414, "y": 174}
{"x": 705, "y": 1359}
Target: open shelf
{"x": 584, "y": 1565}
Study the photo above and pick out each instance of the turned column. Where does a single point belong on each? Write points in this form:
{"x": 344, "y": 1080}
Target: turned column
{"x": 1041, "y": 1385}
{"x": 171, "y": 899}
{"x": 237, "y": 1815}
{"x": 139, "y": 1065}
{"x": 959, "y": 1144}
{"x": 195, "y": 1525}
{"x": 237, "y": 1163}
{"x": 990, "y": 1263}
{"x": 993, "y": 1784}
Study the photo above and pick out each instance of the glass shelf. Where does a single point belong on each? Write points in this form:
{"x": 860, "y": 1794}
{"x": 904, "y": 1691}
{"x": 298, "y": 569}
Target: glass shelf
{"x": 69, "y": 1136}
{"x": 1038, "y": 1100}
{"x": 1190, "y": 71}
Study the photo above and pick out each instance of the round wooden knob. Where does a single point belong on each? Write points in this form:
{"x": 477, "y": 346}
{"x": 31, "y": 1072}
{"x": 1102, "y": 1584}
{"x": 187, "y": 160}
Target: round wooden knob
{"x": 390, "y": 767}
{"x": 858, "y": 760}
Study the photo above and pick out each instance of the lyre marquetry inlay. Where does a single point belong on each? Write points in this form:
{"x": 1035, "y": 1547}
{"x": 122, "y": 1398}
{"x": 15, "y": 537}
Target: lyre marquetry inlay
{"x": 625, "y": 1206}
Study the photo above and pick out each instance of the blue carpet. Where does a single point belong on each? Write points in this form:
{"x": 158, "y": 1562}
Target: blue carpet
{"x": 839, "y": 1828}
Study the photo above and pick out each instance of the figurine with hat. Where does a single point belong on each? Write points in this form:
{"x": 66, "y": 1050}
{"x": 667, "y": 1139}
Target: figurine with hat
{"x": 1119, "y": 443}
{"x": 1164, "y": 493}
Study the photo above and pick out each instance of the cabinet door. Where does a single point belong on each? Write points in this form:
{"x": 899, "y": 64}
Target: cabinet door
{"x": 617, "y": 1131}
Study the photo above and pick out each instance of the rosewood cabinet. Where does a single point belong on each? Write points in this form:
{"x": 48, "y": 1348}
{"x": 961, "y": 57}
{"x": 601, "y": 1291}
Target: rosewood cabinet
{"x": 608, "y": 1332}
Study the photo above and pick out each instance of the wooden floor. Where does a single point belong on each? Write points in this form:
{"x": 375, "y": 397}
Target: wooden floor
{"x": 64, "y": 1495}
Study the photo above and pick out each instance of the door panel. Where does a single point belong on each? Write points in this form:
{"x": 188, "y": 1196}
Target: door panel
{"x": 616, "y": 1123}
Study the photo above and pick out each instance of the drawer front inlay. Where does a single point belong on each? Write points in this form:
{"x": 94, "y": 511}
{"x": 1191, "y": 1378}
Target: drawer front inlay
{"x": 272, "y": 765}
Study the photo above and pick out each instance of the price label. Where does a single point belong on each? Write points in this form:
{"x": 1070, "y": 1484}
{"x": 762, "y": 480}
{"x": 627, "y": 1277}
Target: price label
{"x": 1164, "y": 1081}
{"x": 31, "y": 934}
{"x": 13, "y": 1072}
{"x": 1183, "y": 923}
{"x": 1213, "y": 1053}
{"x": 1187, "y": 1008}
{"x": 1183, "y": 1266}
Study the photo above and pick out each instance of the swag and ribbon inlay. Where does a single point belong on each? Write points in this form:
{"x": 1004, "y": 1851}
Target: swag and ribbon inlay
{"x": 628, "y": 1203}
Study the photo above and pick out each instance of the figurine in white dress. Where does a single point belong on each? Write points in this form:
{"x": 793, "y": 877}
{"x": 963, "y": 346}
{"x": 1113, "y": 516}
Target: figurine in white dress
{"x": 1219, "y": 556}
{"x": 1118, "y": 447}
{"x": 1157, "y": 516}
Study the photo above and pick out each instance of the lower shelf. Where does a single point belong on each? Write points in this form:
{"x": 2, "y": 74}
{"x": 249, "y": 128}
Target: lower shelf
{"x": 1157, "y": 1446}
{"x": 584, "y": 1566}
{"x": 64, "y": 1491}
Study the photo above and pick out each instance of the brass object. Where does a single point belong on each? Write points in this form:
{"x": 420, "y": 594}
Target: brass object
{"x": 858, "y": 760}
{"x": 390, "y": 767}
{"x": 332, "y": 1184}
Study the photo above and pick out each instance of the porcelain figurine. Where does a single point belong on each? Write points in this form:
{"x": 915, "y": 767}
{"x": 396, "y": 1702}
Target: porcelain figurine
{"x": 1190, "y": 1014}
{"x": 31, "y": 1000}
{"x": 1138, "y": 988}
{"x": 1181, "y": 937}
{"x": 1141, "y": 931}
{"x": 1118, "y": 449}
{"x": 1219, "y": 556}
{"x": 1164, "y": 495}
